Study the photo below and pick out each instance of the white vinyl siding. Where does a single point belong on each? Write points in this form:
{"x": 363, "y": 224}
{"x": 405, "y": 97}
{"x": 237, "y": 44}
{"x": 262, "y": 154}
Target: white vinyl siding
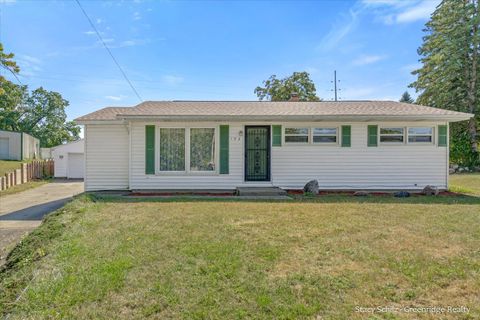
{"x": 388, "y": 166}
{"x": 106, "y": 156}
{"x": 398, "y": 166}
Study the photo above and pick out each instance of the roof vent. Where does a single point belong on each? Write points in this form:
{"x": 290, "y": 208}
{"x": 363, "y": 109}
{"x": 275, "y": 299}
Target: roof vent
{"x": 294, "y": 97}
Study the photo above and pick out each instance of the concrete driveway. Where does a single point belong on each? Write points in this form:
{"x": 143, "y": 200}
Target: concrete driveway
{"x": 22, "y": 212}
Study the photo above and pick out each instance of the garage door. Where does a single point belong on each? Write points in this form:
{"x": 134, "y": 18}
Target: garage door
{"x": 4, "y": 148}
{"x": 75, "y": 166}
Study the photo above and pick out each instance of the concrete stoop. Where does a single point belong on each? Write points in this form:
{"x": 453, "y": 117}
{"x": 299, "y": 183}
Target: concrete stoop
{"x": 260, "y": 192}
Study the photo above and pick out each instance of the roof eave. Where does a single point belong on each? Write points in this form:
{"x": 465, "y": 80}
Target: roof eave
{"x": 449, "y": 118}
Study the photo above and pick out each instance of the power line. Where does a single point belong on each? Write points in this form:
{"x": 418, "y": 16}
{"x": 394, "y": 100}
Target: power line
{"x": 109, "y": 52}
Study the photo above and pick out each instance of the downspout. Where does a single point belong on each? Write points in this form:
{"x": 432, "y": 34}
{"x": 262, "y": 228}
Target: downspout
{"x": 129, "y": 130}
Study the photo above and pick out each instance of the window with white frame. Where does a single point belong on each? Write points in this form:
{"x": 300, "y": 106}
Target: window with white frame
{"x": 324, "y": 135}
{"x": 172, "y": 149}
{"x": 187, "y": 150}
{"x": 296, "y": 135}
{"x": 391, "y": 135}
{"x": 420, "y": 135}
{"x": 202, "y": 149}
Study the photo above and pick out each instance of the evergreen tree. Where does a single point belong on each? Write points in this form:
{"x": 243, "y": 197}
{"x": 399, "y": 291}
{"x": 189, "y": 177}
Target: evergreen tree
{"x": 406, "y": 98}
{"x": 449, "y": 77}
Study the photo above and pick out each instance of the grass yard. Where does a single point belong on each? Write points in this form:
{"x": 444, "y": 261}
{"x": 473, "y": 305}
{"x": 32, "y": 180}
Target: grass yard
{"x": 465, "y": 183}
{"x": 303, "y": 259}
{"x": 8, "y": 166}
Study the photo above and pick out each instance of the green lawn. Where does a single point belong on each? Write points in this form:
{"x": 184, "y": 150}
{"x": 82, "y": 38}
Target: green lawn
{"x": 309, "y": 259}
{"x": 465, "y": 183}
{"x": 8, "y": 166}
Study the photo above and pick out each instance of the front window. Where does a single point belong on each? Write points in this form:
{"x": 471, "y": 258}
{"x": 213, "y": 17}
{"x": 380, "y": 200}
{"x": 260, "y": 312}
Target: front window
{"x": 172, "y": 149}
{"x": 296, "y": 135}
{"x": 420, "y": 135}
{"x": 202, "y": 149}
{"x": 391, "y": 135}
{"x": 324, "y": 135}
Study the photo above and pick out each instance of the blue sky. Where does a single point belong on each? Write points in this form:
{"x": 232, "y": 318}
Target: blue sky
{"x": 212, "y": 50}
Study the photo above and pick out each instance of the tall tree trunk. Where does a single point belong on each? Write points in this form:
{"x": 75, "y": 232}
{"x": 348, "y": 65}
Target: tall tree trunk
{"x": 472, "y": 87}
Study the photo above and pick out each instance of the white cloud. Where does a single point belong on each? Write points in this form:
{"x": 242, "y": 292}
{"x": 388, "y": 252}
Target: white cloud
{"x": 137, "y": 16}
{"x": 367, "y": 59}
{"x": 89, "y": 33}
{"x": 339, "y": 31}
{"x": 422, "y": 11}
{"x": 99, "y": 20}
{"x": 115, "y": 98}
{"x": 396, "y": 11}
{"x": 30, "y": 59}
{"x": 172, "y": 79}
{"x": 29, "y": 66}
{"x": 7, "y": 1}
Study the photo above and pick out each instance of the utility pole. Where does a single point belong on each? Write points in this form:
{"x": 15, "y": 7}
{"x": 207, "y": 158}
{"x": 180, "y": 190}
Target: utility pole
{"x": 335, "y": 89}
{"x": 335, "y": 82}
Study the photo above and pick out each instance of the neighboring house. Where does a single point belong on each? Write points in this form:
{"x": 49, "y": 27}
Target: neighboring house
{"x": 18, "y": 146}
{"x": 348, "y": 145}
{"x": 69, "y": 160}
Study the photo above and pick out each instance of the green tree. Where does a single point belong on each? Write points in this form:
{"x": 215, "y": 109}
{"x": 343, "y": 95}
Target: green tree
{"x": 40, "y": 113}
{"x": 11, "y": 109}
{"x": 8, "y": 64}
{"x": 449, "y": 76}
{"x": 45, "y": 118}
{"x": 406, "y": 98}
{"x": 275, "y": 89}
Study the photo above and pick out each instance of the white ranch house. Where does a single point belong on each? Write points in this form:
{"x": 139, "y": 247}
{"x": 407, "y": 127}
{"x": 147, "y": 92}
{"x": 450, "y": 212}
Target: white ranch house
{"x": 216, "y": 145}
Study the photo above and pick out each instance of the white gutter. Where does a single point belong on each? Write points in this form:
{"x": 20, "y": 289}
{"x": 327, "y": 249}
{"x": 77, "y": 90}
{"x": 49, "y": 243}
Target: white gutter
{"x": 449, "y": 118}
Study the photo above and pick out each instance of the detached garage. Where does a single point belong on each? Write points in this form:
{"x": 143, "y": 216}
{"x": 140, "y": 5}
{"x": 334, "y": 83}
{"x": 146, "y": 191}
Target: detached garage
{"x": 69, "y": 160}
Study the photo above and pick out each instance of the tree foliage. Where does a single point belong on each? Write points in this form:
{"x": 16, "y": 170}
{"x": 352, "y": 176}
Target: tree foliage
{"x": 40, "y": 113}
{"x": 406, "y": 98}
{"x": 449, "y": 76}
{"x": 7, "y": 63}
{"x": 275, "y": 89}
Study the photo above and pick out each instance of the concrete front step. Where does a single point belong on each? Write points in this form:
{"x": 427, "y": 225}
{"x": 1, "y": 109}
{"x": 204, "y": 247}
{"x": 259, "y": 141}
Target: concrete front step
{"x": 260, "y": 192}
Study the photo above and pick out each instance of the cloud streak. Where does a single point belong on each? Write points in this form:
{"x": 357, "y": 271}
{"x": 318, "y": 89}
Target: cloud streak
{"x": 367, "y": 59}
{"x": 398, "y": 12}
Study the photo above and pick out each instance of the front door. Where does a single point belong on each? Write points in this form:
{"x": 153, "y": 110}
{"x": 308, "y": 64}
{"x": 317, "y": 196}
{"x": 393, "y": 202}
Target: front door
{"x": 257, "y": 153}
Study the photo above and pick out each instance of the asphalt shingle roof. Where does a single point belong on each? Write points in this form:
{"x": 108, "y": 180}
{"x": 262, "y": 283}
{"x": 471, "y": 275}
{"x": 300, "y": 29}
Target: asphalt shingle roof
{"x": 265, "y": 109}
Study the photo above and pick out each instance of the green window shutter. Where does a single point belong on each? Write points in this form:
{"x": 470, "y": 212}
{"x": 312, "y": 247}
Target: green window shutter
{"x": 149, "y": 149}
{"x": 442, "y": 136}
{"x": 276, "y": 136}
{"x": 224, "y": 152}
{"x": 372, "y": 136}
{"x": 346, "y": 136}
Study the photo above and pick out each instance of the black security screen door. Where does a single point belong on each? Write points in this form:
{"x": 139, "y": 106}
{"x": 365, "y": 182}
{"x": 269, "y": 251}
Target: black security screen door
{"x": 257, "y": 153}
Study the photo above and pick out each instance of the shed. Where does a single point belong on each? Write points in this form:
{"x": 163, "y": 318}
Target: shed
{"x": 69, "y": 160}
{"x": 18, "y": 146}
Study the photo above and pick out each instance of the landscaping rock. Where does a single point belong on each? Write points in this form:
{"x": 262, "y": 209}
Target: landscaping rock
{"x": 454, "y": 166}
{"x": 430, "y": 191}
{"x": 360, "y": 194}
{"x": 311, "y": 187}
{"x": 451, "y": 171}
{"x": 402, "y": 194}
{"x": 476, "y": 169}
